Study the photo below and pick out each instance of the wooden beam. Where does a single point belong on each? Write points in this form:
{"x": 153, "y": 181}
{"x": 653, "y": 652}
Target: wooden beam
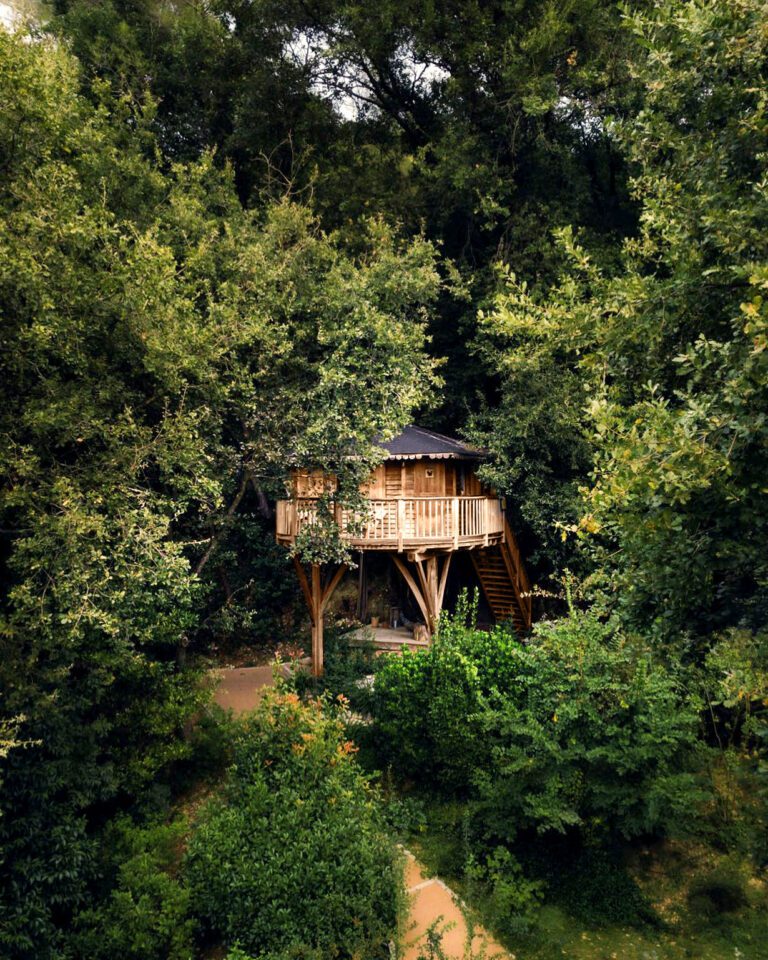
{"x": 433, "y": 581}
{"x": 443, "y": 581}
{"x": 317, "y": 596}
{"x": 424, "y": 587}
{"x": 431, "y": 578}
{"x": 331, "y": 586}
{"x": 317, "y": 622}
{"x": 418, "y": 596}
{"x": 304, "y": 586}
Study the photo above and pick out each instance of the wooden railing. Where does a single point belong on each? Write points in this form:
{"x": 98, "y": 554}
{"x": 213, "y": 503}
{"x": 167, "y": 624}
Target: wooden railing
{"x": 404, "y": 522}
{"x": 517, "y": 574}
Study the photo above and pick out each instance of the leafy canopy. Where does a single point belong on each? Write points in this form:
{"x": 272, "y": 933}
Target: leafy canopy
{"x": 167, "y": 354}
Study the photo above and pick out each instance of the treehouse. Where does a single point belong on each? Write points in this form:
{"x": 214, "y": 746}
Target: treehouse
{"x": 425, "y": 504}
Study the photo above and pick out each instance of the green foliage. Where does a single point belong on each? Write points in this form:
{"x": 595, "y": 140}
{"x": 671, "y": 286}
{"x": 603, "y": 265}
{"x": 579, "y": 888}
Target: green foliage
{"x": 578, "y": 726}
{"x": 427, "y": 704}
{"x": 734, "y": 682}
{"x": 482, "y": 125}
{"x": 168, "y": 356}
{"x": 602, "y": 733}
{"x": 350, "y": 661}
{"x": 660, "y": 356}
{"x": 147, "y": 915}
{"x": 737, "y": 682}
{"x": 722, "y": 890}
{"x": 294, "y": 856}
{"x": 300, "y": 952}
{"x": 597, "y": 889}
{"x": 510, "y": 900}
{"x": 251, "y": 591}
{"x": 210, "y": 746}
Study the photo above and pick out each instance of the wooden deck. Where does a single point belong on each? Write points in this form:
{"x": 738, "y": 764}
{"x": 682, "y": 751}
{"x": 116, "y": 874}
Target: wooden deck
{"x": 404, "y": 524}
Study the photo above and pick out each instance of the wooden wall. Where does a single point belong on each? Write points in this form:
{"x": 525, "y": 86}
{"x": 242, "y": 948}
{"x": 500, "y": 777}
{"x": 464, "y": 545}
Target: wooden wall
{"x": 406, "y": 478}
{"x": 424, "y": 478}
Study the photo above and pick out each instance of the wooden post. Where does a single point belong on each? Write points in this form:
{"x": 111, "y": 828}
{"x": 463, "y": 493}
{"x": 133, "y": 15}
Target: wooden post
{"x": 400, "y": 523}
{"x": 317, "y": 622}
{"x": 443, "y": 581}
{"x": 417, "y": 593}
{"x": 430, "y": 590}
{"x": 456, "y": 520}
{"x": 317, "y": 596}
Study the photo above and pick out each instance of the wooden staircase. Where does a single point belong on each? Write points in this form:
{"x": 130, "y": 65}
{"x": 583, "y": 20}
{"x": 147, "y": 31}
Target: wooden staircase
{"x": 504, "y": 581}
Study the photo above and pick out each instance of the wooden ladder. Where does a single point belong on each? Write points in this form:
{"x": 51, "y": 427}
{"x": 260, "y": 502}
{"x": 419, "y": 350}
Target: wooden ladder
{"x": 504, "y": 581}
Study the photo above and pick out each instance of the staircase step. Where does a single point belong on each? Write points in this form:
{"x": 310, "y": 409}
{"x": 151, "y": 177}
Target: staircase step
{"x": 493, "y": 570}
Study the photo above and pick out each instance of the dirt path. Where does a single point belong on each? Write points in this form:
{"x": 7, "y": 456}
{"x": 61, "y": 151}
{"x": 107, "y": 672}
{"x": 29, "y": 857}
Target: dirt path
{"x": 240, "y": 690}
{"x": 431, "y": 899}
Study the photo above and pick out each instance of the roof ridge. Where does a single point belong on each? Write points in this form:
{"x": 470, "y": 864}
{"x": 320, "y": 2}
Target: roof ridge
{"x": 440, "y": 436}
{"x": 415, "y": 441}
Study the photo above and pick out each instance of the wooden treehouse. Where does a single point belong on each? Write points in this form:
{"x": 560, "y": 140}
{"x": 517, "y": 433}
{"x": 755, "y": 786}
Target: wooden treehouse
{"x": 426, "y": 502}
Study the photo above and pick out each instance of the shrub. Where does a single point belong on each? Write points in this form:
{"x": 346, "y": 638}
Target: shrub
{"x": 596, "y": 888}
{"x": 510, "y": 900}
{"x": 147, "y": 915}
{"x": 427, "y": 705}
{"x": 577, "y": 725}
{"x": 349, "y": 660}
{"x": 209, "y": 744}
{"x": 722, "y": 890}
{"x": 294, "y": 856}
{"x": 595, "y": 731}
{"x": 298, "y": 952}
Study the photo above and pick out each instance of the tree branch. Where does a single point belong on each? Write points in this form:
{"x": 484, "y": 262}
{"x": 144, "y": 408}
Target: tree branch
{"x": 215, "y": 540}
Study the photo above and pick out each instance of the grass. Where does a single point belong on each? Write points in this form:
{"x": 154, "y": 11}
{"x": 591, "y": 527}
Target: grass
{"x": 687, "y": 900}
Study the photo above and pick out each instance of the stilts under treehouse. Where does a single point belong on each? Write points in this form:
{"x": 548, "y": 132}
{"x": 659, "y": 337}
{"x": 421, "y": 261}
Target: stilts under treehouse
{"x": 426, "y": 502}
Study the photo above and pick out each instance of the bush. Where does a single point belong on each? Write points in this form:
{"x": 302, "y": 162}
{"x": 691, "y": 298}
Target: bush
{"x": 595, "y": 732}
{"x": 294, "y": 857}
{"x": 722, "y": 890}
{"x": 427, "y": 705}
{"x": 349, "y": 660}
{"x": 595, "y": 888}
{"x": 298, "y": 952}
{"x": 209, "y": 744}
{"x": 510, "y": 900}
{"x": 577, "y": 725}
{"x": 147, "y": 915}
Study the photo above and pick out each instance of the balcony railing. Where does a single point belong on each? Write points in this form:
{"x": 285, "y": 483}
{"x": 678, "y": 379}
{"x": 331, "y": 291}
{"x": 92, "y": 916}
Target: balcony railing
{"x": 404, "y": 523}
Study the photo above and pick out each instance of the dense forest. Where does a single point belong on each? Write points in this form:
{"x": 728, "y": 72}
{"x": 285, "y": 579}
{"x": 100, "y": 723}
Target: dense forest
{"x": 241, "y": 235}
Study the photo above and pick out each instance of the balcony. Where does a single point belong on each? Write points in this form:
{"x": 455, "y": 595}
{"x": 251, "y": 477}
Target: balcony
{"x": 405, "y": 523}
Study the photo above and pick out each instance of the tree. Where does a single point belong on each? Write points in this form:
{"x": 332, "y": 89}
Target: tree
{"x": 167, "y": 353}
{"x": 668, "y": 345}
{"x": 481, "y": 125}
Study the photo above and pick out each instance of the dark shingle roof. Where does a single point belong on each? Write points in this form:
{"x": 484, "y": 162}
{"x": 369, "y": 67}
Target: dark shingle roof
{"x": 416, "y": 442}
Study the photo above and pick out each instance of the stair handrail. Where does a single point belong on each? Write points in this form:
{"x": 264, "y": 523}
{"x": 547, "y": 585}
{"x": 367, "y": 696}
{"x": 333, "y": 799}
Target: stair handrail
{"x": 519, "y": 577}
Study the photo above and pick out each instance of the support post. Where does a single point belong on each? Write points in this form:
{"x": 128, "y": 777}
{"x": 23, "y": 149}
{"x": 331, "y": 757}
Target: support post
{"x": 417, "y": 594}
{"x": 429, "y": 592}
{"x": 317, "y": 622}
{"x": 443, "y": 581}
{"x": 317, "y": 596}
